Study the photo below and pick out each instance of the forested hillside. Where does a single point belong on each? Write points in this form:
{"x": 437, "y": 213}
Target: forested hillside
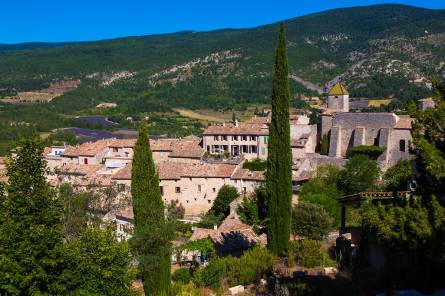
{"x": 378, "y": 51}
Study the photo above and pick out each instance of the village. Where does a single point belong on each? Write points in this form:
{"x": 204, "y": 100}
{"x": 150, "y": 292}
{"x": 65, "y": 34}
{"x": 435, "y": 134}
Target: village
{"x": 192, "y": 170}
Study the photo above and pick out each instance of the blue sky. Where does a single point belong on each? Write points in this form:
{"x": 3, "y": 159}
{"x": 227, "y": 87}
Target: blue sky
{"x": 75, "y": 20}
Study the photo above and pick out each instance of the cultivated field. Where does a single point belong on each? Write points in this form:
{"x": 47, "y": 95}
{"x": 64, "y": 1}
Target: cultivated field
{"x": 219, "y": 116}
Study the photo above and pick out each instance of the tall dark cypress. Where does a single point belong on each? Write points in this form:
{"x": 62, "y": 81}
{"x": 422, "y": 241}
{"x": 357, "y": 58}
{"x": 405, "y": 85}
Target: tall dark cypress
{"x": 279, "y": 160}
{"x": 151, "y": 238}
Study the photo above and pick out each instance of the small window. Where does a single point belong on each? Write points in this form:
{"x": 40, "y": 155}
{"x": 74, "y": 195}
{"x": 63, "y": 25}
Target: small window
{"x": 224, "y": 138}
{"x": 235, "y": 138}
{"x": 253, "y": 149}
{"x": 199, "y": 188}
{"x": 120, "y": 187}
{"x": 216, "y": 138}
{"x": 253, "y": 138}
{"x": 115, "y": 149}
{"x": 209, "y": 201}
{"x": 266, "y": 140}
{"x": 208, "y": 148}
{"x": 190, "y": 178}
{"x": 161, "y": 188}
{"x": 402, "y": 145}
{"x": 244, "y": 189}
{"x": 178, "y": 189}
{"x": 244, "y": 138}
{"x": 214, "y": 189}
{"x": 85, "y": 161}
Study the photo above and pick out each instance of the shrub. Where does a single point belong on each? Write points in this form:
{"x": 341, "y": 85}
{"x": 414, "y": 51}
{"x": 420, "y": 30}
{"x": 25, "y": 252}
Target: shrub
{"x": 310, "y": 221}
{"x": 317, "y": 192}
{"x": 182, "y": 275}
{"x": 179, "y": 289}
{"x": 255, "y": 165}
{"x": 360, "y": 174}
{"x": 397, "y": 177}
{"x": 212, "y": 274}
{"x": 308, "y": 253}
{"x": 372, "y": 152}
{"x": 237, "y": 271}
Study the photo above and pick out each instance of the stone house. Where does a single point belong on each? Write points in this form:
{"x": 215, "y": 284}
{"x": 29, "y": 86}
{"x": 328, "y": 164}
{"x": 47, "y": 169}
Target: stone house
{"x": 86, "y": 153}
{"x": 195, "y": 185}
{"x": 53, "y": 156}
{"x": 248, "y": 139}
{"x": 182, "y": 150}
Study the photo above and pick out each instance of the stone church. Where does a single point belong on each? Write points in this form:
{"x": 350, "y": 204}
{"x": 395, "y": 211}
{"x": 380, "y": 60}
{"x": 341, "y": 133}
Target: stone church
{"x": 349, "y": 129}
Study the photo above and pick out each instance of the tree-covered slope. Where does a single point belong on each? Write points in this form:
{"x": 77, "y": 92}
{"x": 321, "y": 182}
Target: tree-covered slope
{"x": 376, "y": 50}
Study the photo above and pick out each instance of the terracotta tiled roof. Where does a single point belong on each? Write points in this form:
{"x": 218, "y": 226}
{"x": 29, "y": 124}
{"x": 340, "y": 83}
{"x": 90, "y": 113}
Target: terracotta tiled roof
{"x": 163, "y": 144}
{"x": 244, "y": 174}
{"x": 123, "y": 174}
{"x": 231, "y": 233}
{"x": 260, "y": 120}
{"x": 176, "y": 170}
{"x": 404, "y": 123}
{"x": 126, "y": 212}
{"x": 187, "y": 149}
{"x": 79, "y": 169}
{"x": 170, "y": 170}
{"x": 200, "y": 233}
{"x": 87, "y": 149}
{"x": 122, "y": 143}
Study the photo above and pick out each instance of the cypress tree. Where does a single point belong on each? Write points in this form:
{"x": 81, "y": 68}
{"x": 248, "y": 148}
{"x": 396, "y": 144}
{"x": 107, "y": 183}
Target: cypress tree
{"x": 279, "y": 161}
{"x": 151, "y": 239}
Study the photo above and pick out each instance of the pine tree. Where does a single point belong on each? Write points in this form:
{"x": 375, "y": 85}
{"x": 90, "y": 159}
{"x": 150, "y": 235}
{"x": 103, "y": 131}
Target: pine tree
{"x": 30, "y": 225}
{"x": 279, "y": 161}
{"x": 151, "y": 239}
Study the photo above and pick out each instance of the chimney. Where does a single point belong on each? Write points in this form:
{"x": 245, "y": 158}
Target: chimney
{"x": 215, "y": 227}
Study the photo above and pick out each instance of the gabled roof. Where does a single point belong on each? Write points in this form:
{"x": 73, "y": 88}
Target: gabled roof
{"x": 338, "y": 89}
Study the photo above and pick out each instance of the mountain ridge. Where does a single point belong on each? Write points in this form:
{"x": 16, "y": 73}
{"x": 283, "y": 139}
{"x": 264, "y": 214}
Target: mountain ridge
{"x": 359, "y": 45}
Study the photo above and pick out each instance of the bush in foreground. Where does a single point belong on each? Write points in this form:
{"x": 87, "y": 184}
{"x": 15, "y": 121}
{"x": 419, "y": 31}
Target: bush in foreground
{"x": 308, "y": 253}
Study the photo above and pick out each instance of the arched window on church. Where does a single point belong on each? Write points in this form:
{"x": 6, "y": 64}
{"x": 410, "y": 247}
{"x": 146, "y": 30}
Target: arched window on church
{"x": 402, "y": 144}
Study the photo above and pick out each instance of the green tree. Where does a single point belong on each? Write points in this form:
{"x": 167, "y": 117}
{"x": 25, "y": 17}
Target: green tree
{"x": 175, "y": 211}
{"x": 30, "y": 228}
{"x": 221, "y": 205}
{"x": 76, "y": 206}
{"x": 94, "y": 263}
{"x": 310, "y": 221}
{"x": 429, "y": 141}
{"x": 360, "y": 174}
{"x": 233, "y": 117}
{"x": 151, "y": 239}
{"x": 322, "y": 190}
{"x": 397, "y": 177}
{"x": 279, "y": 160}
